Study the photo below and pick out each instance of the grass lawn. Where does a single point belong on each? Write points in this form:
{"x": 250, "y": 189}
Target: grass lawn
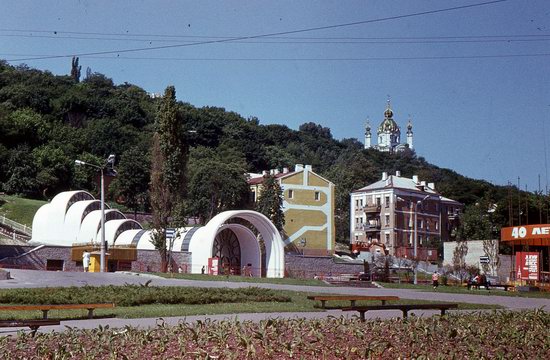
{"x": 298, "y": 303}
{"x": 19, "y": 209}
{"x": 237, "y": 278}
{"x": 464, "y": 290}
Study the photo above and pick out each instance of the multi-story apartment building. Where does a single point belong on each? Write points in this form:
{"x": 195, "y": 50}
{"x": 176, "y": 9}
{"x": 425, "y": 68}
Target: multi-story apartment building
{"x": 308, "y": 207}
{"x": 394, "y": 211}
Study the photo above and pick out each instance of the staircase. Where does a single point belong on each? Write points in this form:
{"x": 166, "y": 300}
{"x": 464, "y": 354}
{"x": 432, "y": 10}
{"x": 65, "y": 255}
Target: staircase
{"x": 14, "y": 230}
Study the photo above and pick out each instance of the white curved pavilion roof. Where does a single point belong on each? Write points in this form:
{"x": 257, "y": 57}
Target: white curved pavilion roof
{"x": 74, "y": 217}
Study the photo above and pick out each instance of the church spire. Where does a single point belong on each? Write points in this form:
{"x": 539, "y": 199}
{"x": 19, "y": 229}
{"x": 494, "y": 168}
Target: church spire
{"x": 368, "y": 134}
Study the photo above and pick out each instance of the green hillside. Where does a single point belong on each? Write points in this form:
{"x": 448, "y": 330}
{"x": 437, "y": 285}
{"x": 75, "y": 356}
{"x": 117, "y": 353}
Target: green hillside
{"x": 49, "y": 121}
{"x": 19, "y": 209}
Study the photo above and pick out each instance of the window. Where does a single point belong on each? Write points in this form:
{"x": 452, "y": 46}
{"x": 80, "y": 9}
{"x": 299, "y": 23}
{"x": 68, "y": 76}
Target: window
{"x": 361, "y": 202}
{"x": 357, "y": 203}
{"x": 377, "y": 201}
{"x": 253, "y": 196}
{"x": 361, "y": 220}
{"x": 387, "y": 238}
{"x": 317, "y": 196}
{"x": 421, "y": 224}
{"x": 420, "y": 239}
{"x": 290, "y": 194}
{"x": 356, "y": 238}
{"x": 387, "y": 220}
{"x": 436, "y": 225}
{"x": 410, "y": 239}
{"x": 387, "y": 201}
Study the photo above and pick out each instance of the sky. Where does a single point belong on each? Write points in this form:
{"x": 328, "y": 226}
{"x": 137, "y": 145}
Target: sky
{"x": 473, "y": 75}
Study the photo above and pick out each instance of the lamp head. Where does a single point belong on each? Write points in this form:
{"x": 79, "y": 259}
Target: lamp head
{"x": 79, "y": 162}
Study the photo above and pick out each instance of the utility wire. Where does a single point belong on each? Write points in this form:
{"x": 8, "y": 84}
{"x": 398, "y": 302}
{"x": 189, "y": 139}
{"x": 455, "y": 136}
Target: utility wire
{"x": 310, "y": 59}
{"x": 396, "y": 17}
{"x": 290, "y": 40}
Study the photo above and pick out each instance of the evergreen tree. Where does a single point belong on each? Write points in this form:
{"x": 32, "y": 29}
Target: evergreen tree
{"x": 270, "y": 202}
{"x": 169, "y": 159}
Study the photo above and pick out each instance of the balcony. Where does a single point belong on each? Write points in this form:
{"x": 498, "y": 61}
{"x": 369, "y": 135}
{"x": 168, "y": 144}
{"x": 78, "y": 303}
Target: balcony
{"x": 372, "y": 209}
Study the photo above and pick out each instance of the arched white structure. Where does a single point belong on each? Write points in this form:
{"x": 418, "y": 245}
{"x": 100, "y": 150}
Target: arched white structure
{"x": 74, "y": 218}
{"x": 202, "y": 241}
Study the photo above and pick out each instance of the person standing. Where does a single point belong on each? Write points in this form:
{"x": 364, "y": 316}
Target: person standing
{"x": 86, "y": 260}
{"x": 435, "y": 280}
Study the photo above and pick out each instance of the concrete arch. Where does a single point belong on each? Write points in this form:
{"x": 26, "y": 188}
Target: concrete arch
{"x": 202, "y": 241}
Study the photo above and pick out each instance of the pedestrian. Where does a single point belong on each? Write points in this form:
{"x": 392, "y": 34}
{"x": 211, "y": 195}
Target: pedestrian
{"x": 435, "y": 280}
{"x": 202, "y": 270}
{"x": 86, "y": 260}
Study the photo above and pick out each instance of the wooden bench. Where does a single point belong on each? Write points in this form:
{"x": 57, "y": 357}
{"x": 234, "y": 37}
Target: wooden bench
{"x": 32, "y": 324}
{"x": 405, "y": 308}
{"x": 352, "y": 298}
{"x": 46, "y": 308}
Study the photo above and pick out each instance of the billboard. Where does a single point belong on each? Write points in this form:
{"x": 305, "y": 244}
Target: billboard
{"x": 527, "y": 265}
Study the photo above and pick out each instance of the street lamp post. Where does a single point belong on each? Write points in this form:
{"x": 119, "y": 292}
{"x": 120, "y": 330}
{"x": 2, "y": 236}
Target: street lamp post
{"x": 110, "y": 161}
{"x": 415, "y": 245}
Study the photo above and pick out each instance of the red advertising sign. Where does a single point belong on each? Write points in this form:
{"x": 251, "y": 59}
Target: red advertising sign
{"x": 527, "y": 265}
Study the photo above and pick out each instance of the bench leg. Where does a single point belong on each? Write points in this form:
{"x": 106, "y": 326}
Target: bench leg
{"x": 44, "y": 314}
{"x": 34, "y": 328}
{"x": 405, "y": 313}
{"x": 362, "y": 315}
{"x": 323, "y": 303}
{"x": 352, "y": 303}
{"x": 383, "y": 302}
{"x": 442, "y": 312}
{"x": 90, "y": 313}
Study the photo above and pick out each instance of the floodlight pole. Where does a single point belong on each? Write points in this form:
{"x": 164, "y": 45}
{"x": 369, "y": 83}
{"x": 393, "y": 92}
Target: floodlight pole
{"x": 110, "y": 160}
{"x": 415, "y": 245}
{"x": 102, "y": 246}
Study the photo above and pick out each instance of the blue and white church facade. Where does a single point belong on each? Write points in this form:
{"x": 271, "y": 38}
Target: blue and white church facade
{"x": 389, "y": 134}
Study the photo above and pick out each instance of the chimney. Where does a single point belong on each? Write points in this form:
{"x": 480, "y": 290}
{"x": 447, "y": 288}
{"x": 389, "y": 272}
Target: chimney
{"x": 398, "y": 173}
{"x": 272, "y": 172}
{"x": 285, "y": 170}
{"x": 384, "y": 175}
{"x": 276, "y": 172}
{"x": 415, "y": 179}
{"x": 299, "y": 167}
{"x": 431, "y": 186}
{"x": 265, "y": 173}
{"x": 308, "y": 167}
{"x": 423, "y": 183}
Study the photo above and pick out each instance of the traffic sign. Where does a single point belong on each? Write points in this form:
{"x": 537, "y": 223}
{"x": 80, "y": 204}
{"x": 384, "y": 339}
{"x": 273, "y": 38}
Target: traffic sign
{"x": 484, "y": 259}
{"x": 170, "y": 233}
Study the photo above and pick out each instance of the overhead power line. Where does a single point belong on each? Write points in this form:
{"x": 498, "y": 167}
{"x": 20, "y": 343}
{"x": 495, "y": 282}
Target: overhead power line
{"x": 292, "y": 40}
{"x": 396, "y": 17}
{"x": 382, "y": 58}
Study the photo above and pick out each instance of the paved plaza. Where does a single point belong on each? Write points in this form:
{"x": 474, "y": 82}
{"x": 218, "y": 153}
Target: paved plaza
{"x": 33, "y": 278}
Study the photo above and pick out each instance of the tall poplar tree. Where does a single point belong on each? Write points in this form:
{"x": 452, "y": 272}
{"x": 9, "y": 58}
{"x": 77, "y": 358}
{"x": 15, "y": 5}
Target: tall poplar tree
{"x": 169, "y": 162}
{"x": 270, "y": 202}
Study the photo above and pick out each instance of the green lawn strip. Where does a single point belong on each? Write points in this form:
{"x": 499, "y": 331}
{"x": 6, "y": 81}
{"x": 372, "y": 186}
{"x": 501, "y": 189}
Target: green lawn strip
{"x": 298, "y": 303}
{"x": 247, "y": 279}
{"x": 19, "y": 209}
{"x": 464, "y": 290}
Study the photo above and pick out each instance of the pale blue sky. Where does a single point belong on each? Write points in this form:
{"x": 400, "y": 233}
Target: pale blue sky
{"x": 479, "y": 99}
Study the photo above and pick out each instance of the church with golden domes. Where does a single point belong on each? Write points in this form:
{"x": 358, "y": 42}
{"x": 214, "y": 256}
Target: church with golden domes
{"x": 389, "y": 134}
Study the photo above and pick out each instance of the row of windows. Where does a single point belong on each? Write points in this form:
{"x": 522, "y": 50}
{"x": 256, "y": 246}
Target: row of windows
{"x": 420, "y": 222}
{"x": 316, "y": 195}
{"x": 407, "y": 238}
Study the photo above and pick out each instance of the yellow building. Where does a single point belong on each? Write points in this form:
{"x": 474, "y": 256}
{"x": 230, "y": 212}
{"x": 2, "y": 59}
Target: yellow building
{"x": 308, "y": 207}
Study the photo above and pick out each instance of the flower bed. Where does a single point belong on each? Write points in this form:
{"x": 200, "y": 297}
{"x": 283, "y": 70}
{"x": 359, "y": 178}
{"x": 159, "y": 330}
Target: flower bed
{"x": 499, "y": 334}
{"x": 135, "y": 295}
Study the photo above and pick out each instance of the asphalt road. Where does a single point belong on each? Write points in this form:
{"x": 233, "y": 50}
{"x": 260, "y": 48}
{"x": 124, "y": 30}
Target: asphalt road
{"x": 32, "y": 279}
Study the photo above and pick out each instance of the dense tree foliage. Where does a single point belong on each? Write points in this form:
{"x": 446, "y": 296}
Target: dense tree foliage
{"x": 48, "y": 121}
{"x": 270, "y": 202}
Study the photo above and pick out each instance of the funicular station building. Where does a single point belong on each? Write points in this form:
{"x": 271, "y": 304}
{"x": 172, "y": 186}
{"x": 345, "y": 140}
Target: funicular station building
{"x": 71, "y": 224}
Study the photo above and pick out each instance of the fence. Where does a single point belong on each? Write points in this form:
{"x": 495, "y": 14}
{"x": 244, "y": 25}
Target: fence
{"x": 23, "y": 229}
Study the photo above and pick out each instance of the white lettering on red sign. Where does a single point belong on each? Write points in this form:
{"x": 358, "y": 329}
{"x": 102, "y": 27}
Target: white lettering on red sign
{"x": 541, "y": 230}
{"x": 519, "y": 232}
